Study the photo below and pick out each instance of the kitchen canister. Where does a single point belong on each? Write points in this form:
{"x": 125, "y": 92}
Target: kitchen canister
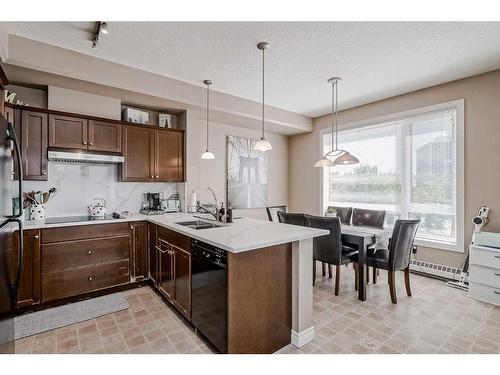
{"x": 38, "y": 212}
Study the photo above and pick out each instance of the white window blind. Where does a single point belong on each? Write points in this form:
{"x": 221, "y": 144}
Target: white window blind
{"x": 408, "y": 167}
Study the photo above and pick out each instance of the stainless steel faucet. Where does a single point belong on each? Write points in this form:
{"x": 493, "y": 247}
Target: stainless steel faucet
{"x": 203, "y": 208}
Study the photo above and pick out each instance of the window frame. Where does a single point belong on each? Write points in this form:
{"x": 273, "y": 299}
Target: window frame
{"x": 459, "y": 106}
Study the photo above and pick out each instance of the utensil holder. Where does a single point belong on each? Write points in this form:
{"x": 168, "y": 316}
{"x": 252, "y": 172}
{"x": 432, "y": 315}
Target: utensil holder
{"x": 38, "y": 212}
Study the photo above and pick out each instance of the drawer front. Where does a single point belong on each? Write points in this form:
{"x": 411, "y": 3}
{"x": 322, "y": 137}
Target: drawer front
{"x": 60, "y": 256}
{"x": 174, "y": 238}
{"x": 486, "y": 258}
{"x": 485, "y": 293}
{"x": 58, "y": 285}
{"x": 484, "y": 275}
{"x": 84, "y": 231}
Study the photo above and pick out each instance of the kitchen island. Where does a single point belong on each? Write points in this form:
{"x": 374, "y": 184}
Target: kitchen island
{"x": 269, "y": 273}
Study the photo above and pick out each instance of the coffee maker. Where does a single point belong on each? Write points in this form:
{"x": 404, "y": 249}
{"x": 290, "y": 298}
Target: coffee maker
{"x": 151, "y": 204}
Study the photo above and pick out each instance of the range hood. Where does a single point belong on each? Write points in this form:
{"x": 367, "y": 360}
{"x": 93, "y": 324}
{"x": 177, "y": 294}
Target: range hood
{"x": 81, "y": 157}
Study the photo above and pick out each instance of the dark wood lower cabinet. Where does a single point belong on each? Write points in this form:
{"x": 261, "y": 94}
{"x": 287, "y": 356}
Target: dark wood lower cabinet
{"x": 139, "y": 252}
{"x": 182, "y": 261}
{"x": 152, "y": 254}
{"x": 29, "y": 288}
{"x": 81, "y": 280}
{"x": 173, "y": 268}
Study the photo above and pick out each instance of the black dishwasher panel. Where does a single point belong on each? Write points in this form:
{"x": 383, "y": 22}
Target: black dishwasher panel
{"x": 209, "y": 293}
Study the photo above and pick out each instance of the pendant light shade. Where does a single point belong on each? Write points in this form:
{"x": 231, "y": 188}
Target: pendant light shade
{"x": 335, "y": 156}
{"x": 346, "y": 159}
{"x": 263, "y": 145}
{"x": 207, "y": 155}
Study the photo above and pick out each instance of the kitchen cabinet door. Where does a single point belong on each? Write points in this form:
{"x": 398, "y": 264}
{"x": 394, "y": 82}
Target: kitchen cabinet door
{"x": 34, "y": 130}
{"x": 166, "y": 277}
{"x": 138, "y": 150}
{"x": 105, "y": 136}
{"x": 169, "y": 160}
{"x": 68, "y": 132}
{"x": 139, "y": 256}
{"x": 30, "y": 285}
{"x": 182, "y": 281}
{"x": 153, "y": 253}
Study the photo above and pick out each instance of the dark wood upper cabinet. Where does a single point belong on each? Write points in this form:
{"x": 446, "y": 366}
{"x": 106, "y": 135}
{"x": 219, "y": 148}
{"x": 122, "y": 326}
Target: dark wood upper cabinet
{"x": 152, "y": 155}
{"x": 138, "y": 150}
{"x": 104, "y": 136}
{"x": 30, "y": 286}
{"x": 68, "y": 132}
{"x": 34, "y": 130}
{"x": 169, "y": 160}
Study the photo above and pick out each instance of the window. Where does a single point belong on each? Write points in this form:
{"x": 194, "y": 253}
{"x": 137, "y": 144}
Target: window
{"x": 411, "y": 166}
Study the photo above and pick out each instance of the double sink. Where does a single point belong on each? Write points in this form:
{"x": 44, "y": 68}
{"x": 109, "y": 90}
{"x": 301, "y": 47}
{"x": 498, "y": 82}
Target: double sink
{"x": 198, "y": 224}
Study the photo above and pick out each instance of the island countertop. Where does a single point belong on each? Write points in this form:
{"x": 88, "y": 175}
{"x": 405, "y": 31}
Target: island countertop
{"x": 243, "y": 235}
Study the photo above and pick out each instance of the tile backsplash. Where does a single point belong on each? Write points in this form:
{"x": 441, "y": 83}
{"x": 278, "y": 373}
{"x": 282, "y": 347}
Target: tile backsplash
{"x": 78, "y": 184}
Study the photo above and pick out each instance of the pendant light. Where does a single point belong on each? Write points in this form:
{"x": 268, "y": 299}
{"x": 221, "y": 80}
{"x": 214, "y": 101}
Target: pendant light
{"x": 341, "y": 157}
{"x": 207, "y": 155}
{"x": 263, "y": 144}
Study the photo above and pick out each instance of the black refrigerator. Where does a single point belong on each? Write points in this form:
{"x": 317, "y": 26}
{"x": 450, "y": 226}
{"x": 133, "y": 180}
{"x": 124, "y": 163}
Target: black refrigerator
{"x": 11, "y": 259}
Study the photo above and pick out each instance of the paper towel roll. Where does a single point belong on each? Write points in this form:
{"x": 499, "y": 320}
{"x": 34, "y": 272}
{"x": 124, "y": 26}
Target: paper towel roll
{"x": 192, "y": 202}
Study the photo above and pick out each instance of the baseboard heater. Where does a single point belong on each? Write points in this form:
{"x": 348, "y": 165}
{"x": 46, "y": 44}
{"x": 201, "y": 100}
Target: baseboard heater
{"x": 436, "y": 270}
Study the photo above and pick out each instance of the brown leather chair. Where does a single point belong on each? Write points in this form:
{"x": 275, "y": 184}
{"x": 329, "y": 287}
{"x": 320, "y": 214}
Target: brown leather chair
{"x": 291, "y": 218}
{"x": 272, "y": 212}
{"x": 328, "y": 249}
{"x": 397, "y": 256}
{"x": 344, "y": 213}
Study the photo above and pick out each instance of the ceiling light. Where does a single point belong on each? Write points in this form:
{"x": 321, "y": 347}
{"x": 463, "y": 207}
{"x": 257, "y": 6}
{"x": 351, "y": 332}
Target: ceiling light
{"x": 104, "y": 27}
{"x": 263, "y": 144}
{"x": 342, "y": 157}
{"x": 207, "y": 155}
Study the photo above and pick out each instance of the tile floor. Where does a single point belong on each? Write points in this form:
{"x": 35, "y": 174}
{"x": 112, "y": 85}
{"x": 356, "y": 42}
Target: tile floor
{"x": 437, "y": 319}
{"x": 148, "y": 326}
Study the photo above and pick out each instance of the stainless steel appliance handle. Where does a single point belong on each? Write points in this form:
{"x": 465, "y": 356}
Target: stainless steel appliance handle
{"x": 11, "y": 135}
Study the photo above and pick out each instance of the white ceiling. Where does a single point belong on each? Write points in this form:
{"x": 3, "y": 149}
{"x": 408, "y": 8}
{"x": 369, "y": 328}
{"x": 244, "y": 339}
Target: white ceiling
{"x": 375, "y": 59}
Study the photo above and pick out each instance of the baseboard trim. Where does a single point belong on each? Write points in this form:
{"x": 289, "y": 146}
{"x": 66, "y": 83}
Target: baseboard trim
{"x": 300, "y": 339}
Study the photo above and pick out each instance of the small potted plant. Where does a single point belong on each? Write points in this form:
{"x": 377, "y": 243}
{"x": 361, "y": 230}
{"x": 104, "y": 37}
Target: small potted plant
{"x": 331, "y": 211}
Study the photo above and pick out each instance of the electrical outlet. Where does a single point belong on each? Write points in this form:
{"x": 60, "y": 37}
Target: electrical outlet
{"x": 414, "y": 249}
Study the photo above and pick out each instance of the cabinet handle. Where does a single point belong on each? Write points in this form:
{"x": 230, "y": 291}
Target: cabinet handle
{"x": 497, "y": 274}
{"x": 131, "y": 227}
{"x": 36, "y": 236}
{"x": 90, "y": 143}
{"x": 44, "y": 173}
{"x": 156, "y": 176}
{"x": 152, "y": 176}
{"x": 84, "y": 143}
{"x": 89, "y": 252}
{"x": 496, "y": 292}
{"x": 90, "y": 278}
{"x": 497, "y": 256}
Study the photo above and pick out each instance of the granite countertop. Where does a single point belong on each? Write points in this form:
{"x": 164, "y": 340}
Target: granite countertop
{"x": 243, "y": 235}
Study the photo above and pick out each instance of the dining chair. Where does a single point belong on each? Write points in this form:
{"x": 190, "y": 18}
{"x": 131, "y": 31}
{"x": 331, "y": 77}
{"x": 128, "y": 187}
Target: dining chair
{"x": 291, "y": 218}
{"x": 344, "y": 213}
{"x": 397, "y": 256}
{"x": 272, "y": 212}
{"x": 371, "y": 218}
{"x": 328, "y": 249}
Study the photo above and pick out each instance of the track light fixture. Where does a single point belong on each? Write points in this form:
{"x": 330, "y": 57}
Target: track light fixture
{"x": 100, "y": 27}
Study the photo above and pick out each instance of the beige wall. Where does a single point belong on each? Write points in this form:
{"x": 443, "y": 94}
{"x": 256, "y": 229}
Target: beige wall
{"x": 212, "y": 173}
{"x": 482, "y": 150}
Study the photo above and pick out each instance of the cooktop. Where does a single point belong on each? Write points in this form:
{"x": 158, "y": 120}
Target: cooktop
{"x": 73, "y": 219}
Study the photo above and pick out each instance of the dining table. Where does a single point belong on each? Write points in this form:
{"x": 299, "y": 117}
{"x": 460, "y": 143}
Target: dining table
{"x": 363, "y": 237}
